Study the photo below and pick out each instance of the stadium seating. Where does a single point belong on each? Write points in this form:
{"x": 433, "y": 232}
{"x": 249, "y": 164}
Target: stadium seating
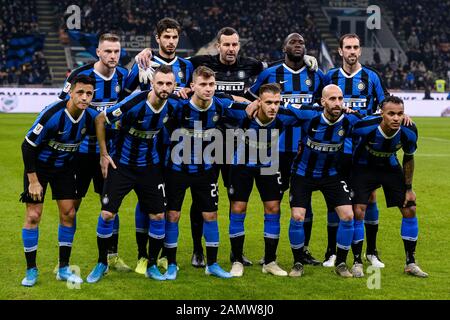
{"x": 21, "y": 61}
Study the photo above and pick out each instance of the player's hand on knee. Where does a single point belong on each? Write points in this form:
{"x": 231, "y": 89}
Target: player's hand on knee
{"x": 35, "y": 191}
{"x": 105, "y": 162}
{"x": 143, "y": 58}
{"x": 311, "y": 62}
{"x": 410, "y": 197}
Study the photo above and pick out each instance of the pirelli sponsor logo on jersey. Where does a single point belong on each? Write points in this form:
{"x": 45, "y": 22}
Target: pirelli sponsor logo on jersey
{"x": 226, "y": 86}
{"x": 324, "y": 147}
{"x": 359, "y": 103}
{"x": 301, "y": 98}
{"x": 143, "y": 134}
{"x": 378, "y": 154}
{"x": 198, "y": 134}
{"x": 66, "y": 147}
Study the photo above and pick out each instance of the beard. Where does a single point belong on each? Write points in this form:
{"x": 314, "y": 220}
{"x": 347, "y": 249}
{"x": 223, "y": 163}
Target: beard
{"x": 295, "y": 58}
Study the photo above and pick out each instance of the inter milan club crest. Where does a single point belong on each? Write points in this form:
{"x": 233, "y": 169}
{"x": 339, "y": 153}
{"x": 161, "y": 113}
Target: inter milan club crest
{"x": 118, "y": 88}
{"x": 308, "y": 82}
{"x": 165, "y": 118}
{"x": 241, "y": 74}
{"x": 105, "y": 199}
{"x": 83, "y": 131}
{"x": 180, "y": 74}
{"x": 361, "y": 86}
{"x": 215, "y": 117}
{"x": 341, "y": 132}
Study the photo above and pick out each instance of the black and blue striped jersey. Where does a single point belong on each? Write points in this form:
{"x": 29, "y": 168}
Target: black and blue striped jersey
{"x": 195, "y": 129}
{"x": 301, "y": 86}
{"x": 182, "y": 69}
{"x": 321, "y": 145}
{"x": 57, "y": 135}
{"x": 363, "y": 90}
{"x": 108, "y": 91}
{"x": 374, "y": 148}
{"x": 137, "y": 144}
{"x": 256, "y": 139}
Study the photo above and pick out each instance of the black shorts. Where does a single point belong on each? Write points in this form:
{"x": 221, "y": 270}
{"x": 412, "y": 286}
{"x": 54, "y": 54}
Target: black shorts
{"x": 147, "y": 182}
{"x": 366, "y": 179}
{"x": 204, "y": 189}
{"x": 225, "y": 169}
{"x": 241, "y": 184}
{"x": 61, "y": 180}
{"x": 286, "y": 160}
{"x": 88, "y": 168}
{"x": 334, "y": 189}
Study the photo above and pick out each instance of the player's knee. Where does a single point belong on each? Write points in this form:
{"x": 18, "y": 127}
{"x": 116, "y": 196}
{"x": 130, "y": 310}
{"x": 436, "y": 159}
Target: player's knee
{"x": 210, "y": 216}
{"x": 173, "y": 216}
{"x": 272, "y": 207}
{"x": 409, "y": 212}
{"x": 107, "y": 216}
{"x": 157, "y": 217}
{"x": 33, "y": 217}
{"x": 68, "y": 214}
{"x": 238, "y": 207}
{"x": 359, "y": 213}
{"x": 373, "y": 197}
{"x": 297, "y": 216}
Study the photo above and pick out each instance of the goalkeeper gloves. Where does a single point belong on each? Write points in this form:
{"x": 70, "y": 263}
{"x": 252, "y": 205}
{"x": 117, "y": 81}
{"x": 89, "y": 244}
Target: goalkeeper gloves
{"x": 146, "y": 74}
{"x": 311, "y": 62}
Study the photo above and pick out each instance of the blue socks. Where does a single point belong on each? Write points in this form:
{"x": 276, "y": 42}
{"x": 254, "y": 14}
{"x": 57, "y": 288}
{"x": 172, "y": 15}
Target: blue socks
{"x": 410, "y": 229}
{"x": 272, "y": 226}
{"x": 296, "y": 234}
{"x": 236, "y": 227}
{"x": 345, "y": 234}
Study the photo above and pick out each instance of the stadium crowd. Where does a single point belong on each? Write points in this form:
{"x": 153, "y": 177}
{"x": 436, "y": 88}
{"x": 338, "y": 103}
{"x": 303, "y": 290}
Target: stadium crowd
{"x": 20, "y": 18}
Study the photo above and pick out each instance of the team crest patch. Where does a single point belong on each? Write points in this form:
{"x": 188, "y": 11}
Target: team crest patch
{"x": 215, "y": 117}
{"x": 67, "y": 87}
{"x": 308, "y": 82}
{"x": 165, "y": 118}
{"x": 83, "y": 131}
{"x": 341, "y": 132}
{"x": 118, "y": 88}
{"x": 180, "y": 74}
{"x": 105, "y": 199}
{"x": 231, "y": 190}
{"x": 38, "y": 129}
{"x": 117, "y": 113}
{"x": 361, "y": 86}
{"x": 241, "y": 74}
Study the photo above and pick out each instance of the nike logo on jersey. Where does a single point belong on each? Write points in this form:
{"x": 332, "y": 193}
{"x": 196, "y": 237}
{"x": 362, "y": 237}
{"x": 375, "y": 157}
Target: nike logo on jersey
{"x": 315, "y": 130}
{"x": 281, "y": 82}
{"x": 188, "y": 118}
{"x": 373, "y": 142}
{"x": 141, "y": 121}
{"x": 61, "y": 132}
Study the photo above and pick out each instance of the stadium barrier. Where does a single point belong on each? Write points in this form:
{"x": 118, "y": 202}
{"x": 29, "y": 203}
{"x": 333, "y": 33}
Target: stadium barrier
{"x": 33, "y": 100}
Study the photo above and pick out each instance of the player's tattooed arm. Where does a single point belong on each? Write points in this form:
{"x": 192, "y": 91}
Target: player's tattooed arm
{"x": 105, "y": 159}
{"x": 240, "y": 99}
{"x": 408, "y": 170}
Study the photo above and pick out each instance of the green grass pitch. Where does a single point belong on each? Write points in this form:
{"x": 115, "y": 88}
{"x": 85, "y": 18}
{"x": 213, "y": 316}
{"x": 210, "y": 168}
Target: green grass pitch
{"x": 431, "y": 184}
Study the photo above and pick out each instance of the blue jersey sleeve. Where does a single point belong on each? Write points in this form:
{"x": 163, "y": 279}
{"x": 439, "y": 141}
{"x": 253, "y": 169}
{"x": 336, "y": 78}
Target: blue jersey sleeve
{"x": 410, "y": 145}
{"x": 296, "y": 114}
{"x": 117, "y": 111}
{"x": 132, "y": 80}
{"x": 41, "y": 129}
{"x": 262, "y": 79}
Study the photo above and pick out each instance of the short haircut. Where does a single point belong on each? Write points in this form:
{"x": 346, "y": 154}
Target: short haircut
{"x": 109, "y": 37}
{"x": 270, "y": 87}
{"x": 164, "y": 68}
{"x": 227, "y": 31}
{"x": 286, "y": 40}
{"x": 204, "y": 72}
{"x": 392, "y": 99}
{"x": 167, "y": 23}
{"x": 82, "y": 78}
{"x": 346, "y": 36}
